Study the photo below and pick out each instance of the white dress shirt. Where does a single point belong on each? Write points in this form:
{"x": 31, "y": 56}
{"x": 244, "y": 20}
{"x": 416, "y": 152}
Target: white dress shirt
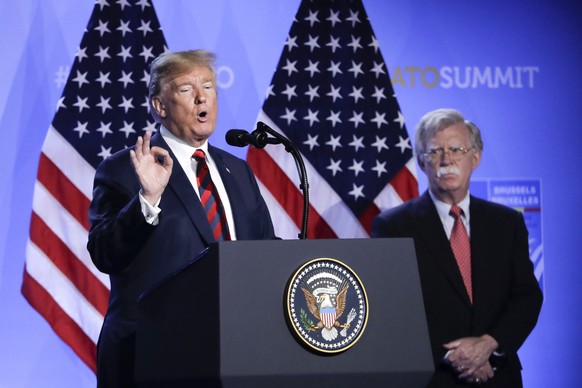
{"x": 447, "y": 220}
{"x": 183, "y": 152}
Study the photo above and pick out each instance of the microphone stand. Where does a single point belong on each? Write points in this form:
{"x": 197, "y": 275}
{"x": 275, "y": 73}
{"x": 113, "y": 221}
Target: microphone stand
{"x": 304, "y": 184}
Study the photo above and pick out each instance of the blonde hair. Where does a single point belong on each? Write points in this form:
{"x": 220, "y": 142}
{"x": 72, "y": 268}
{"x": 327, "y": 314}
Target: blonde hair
{"x": 168, "y": 64}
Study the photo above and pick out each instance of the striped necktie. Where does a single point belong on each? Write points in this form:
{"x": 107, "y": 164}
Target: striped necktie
{"x": 210, "y": 198}
{"x": 462, "y": 248}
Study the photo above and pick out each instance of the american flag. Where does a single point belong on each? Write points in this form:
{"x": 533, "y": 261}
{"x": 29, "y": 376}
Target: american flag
{"x": 102, "y": 110}
{"x": 331, "y": 96}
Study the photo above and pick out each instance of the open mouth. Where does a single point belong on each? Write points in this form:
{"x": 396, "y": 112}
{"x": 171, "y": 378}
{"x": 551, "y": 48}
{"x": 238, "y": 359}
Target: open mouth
{"x": 203, "y": 115}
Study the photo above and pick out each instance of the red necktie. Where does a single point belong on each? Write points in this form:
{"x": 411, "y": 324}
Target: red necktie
{"x": 462, "y": 248}
{"x": 210, "y": 199}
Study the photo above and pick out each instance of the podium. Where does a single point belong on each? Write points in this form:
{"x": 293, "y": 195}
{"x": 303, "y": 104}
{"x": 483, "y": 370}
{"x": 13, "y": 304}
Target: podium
{"x": 221, "y": 321}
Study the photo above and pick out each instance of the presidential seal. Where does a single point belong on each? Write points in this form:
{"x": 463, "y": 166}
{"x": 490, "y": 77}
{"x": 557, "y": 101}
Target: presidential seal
{"x": 327, "y": 306}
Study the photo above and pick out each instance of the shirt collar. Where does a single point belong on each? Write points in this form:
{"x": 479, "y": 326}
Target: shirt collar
{"x": 444, "y": 208}
{"x": 180, "y": 148}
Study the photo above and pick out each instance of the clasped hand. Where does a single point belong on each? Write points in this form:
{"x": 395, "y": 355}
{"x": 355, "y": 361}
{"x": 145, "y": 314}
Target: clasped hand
{"x": 469, "y": 357}
{"x": 153, "y": 167}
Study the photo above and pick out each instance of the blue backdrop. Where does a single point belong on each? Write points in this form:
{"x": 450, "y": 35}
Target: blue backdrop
{"x": 511, "y": 67}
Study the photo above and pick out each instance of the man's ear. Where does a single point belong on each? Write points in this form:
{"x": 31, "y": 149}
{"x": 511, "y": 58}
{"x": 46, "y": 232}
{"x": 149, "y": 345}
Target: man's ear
{"x": 476, "y": 158}
{"x": 158, "y": 106}
{"x": 421, "y": 163}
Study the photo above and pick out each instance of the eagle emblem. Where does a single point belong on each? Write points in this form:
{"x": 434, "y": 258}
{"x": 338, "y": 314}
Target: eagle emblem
{"x": 319, "y": 295}
{"x": 327, "y": 305}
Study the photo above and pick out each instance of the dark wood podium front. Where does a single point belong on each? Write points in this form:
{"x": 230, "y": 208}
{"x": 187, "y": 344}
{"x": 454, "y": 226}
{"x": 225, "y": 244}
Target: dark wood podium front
{"x": 221, "y": 321}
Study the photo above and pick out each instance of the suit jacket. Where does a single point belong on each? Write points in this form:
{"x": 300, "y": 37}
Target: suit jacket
{"x": 506, "y": 295}
{"x": 138, "y": 255}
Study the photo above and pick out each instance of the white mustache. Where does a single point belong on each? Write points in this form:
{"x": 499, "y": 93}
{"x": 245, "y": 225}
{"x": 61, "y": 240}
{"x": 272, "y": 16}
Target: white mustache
{"x": 454, "y": 170}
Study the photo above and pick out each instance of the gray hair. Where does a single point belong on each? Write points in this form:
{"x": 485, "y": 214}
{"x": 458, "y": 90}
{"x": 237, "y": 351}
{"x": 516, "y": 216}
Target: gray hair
{"x": 439, "y": 119}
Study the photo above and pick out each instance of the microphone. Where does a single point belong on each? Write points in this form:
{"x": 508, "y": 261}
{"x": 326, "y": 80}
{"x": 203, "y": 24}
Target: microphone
{"x": 257, "y": 138}
{"x": 239, "y": 138}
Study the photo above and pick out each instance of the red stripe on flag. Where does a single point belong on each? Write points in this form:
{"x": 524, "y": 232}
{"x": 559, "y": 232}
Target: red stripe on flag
{"x": 367, "y": 216}
{"x": 64, "y": 191}
{"x": 66, "y": 261}
{"x": 59, "y": 321}
{"x": 318, "y": 227}
{"x": 286, "y": 193}
{"x": 405, "y": 184}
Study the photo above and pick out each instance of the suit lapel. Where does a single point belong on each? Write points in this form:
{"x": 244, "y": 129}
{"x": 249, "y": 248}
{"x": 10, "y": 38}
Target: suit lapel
{"x": 479, "y": 245}
{"x": 432, "y": 233}
{"x": 183, "y": 190}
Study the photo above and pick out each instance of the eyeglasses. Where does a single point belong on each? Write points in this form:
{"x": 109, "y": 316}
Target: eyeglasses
{"x": 455, "y": 153}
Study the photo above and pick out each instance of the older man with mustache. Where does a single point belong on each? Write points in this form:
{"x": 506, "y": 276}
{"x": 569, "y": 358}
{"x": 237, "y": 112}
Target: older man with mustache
{"x": 481, "y": 297}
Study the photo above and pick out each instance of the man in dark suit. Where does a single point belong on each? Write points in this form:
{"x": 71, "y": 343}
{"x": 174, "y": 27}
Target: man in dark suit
{"x": 147, "y": 218}
{"x": 480, "y": 310}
